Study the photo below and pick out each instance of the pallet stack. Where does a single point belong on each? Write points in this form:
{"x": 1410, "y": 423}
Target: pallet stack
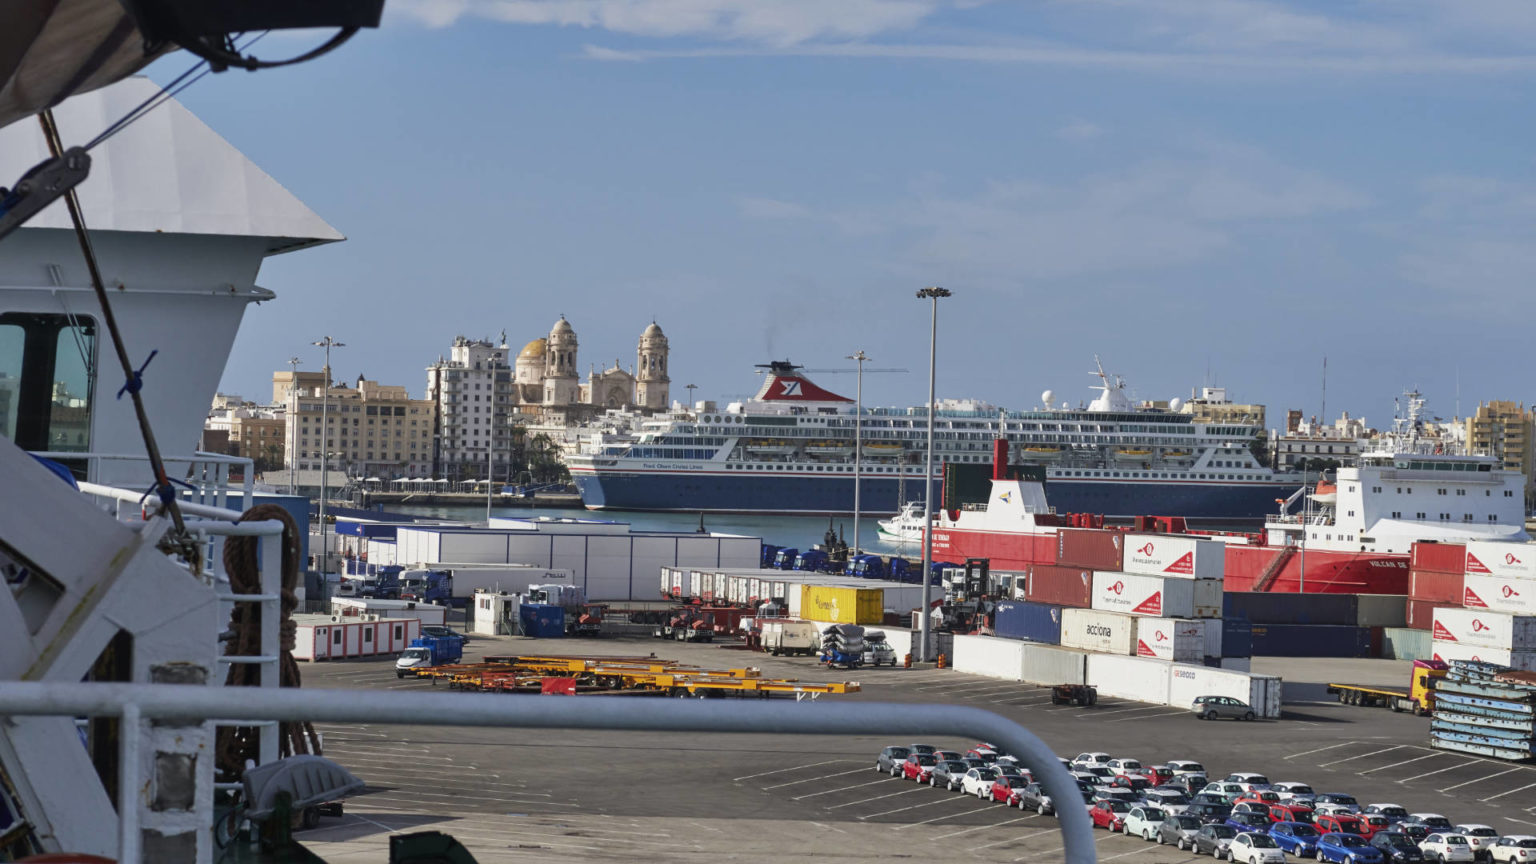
{"x": 1486, "y": 709}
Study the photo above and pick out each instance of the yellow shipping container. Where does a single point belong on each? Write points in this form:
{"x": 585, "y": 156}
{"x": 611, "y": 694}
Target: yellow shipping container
{"x": 842, "y": 605}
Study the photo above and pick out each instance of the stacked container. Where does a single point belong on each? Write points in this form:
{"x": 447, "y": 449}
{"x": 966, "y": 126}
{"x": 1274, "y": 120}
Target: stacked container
{"x": 1487, "y": 637}
{"x": 1436, "y": 573}
{"x": 1486, "y": 610}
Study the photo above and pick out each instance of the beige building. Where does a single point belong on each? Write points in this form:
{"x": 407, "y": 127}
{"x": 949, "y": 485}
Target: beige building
{"x": 1504, "y": 430}
{"x": 374, "y": 430}
{"x": 1211, "y": 405}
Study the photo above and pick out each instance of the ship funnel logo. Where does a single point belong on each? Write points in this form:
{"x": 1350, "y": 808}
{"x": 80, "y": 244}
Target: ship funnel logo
{"x": 1005, "y": 497}
{"x": 1510, "y": 559}
{"x": 1509, "y": 592}
{"x": 1145, "y": 550}
{"x": 791, "y": 388}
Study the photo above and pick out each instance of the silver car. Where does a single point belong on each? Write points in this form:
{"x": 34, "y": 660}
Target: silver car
{"x": 1213, "y": 707}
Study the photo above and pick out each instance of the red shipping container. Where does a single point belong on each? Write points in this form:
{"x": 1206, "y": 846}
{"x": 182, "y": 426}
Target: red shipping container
{"x": 1421, "y": 613}
{"x": 1095, "y": 549}
{"x": 1060, "y": 586}
{"x": 1439, "y": 557}
{"x": 1434, "y": 587}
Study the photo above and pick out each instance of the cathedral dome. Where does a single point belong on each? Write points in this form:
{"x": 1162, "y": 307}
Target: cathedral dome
{"x": 562, "y": 326}
{"x": 533, "y": 349}
{"x": 652, "y": 331}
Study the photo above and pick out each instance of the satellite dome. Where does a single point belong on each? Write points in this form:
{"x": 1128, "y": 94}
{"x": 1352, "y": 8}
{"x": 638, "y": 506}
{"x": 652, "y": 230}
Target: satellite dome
{"x": 1175, "y": 404}
{"x": 1046, "y": 397}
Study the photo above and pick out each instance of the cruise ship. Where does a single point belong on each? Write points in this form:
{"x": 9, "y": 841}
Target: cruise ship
{"x": 791, "y": 449}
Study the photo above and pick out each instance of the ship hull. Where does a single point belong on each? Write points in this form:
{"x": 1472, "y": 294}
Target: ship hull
{"x": 804, "y": 493}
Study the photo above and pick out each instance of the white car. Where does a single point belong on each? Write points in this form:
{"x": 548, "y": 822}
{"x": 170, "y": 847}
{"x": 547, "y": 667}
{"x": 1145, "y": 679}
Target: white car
{"x": 1514, "y": 849}
{"x": 1292, "y": 791}
{"x": 1249, "y": 781}
{"x": 1167, "y": 800}
{"x": 1014, "y": 761}
{"x": 1333, "y": 810}
{"x": 1083, "y": 759}
{"x": 1125, "y": 766}
{"x": 978, "y": 782}
{"x": 1251, "y": 847}
{"x": 1394, "y": 813}
{"x": 1445, "y": 846}
{"x": 1180, "y": 767}
{"x": 1480, "y": 837}
{"x": 1143, "y": 821}
{"x": 1433, "y": 822}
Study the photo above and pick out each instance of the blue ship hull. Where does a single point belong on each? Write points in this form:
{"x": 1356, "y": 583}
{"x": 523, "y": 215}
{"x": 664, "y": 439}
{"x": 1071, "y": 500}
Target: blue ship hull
{"x": 699, "y": 492}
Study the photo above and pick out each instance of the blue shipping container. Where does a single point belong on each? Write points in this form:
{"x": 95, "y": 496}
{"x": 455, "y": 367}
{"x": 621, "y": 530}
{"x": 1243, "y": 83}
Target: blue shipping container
{"x": 1236, "y": 637}
{"x": 542, "y": 621}
{"x": 1310, "y": 640}
{"x": 1036, "y": 622}
{"x": 1262, "y": 607}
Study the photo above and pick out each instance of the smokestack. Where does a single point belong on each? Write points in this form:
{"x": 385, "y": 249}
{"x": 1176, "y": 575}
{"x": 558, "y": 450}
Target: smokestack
{"x": 1000, "y": 459}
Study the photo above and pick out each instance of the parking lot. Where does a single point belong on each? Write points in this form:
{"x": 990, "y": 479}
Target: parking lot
{"x": 510, "y": 794}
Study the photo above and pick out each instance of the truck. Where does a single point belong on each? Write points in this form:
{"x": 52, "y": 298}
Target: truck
{"x": 784, "y": 559}
{"x": 686, "y": 625}
{"x": 454, "y": 584}
{"x": 588, "y": 623}
{"x": 425, "y": 651}
{"x": 1418, "y": 698}
{"x": 788, "y": 636}
{"x": 865, "y": 567}
{"x": 811, "y": 561}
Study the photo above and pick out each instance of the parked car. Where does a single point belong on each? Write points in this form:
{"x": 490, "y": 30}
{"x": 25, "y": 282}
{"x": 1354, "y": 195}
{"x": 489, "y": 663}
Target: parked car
{"x": 1263, "y": 798}
{"x": 1006, "y": 788}
{"x": 1186, "y": 768}
{"x": 1213, "y": 840}
{"x": 1255, "y": 847}
{"x": 1133, "y": 782}
{"x": 1249, "y": 781}
{"x": 1296, "y": 838}
{"x": 1370, "y": 823}
{"x": 1414, "y": 830}
{"x": 919, "y": 767}
{"x": 1394, "y": 813}
{"x": 1158, "y": 774}
{"x": 927, "y": 749}
{"x": 1107, "y": 793}
{"x": 946, "y": 755}
{"x": 1209, "y": 813}
{"x": 1336, "y": 798}
{"x": 1102, "y": 773}
{"x": 1398, "y": 847}
{"x": 1179, "y": 830}
{"x": 1432, "y": 822}
{"x": 1221, "y": 707}
{"x": 947, "y": 774}
{"x": 1334, "y": 848}
{"x": 977, "y": 780}
{"x": 1480, "y": 837}
{"x": 1083, "y": 759}
{"x": 1229, "y": 792}
{"x": 1445, "y": 846}
{"x": 1109, "y": 814}
{"x": 890, "y": 759}
{"x": 1143, "y": 821}
{"x": 1169, "y": 799}
{"x": 973, "y": 762}
{"x": 1009, "y": 769}
{"x": 1124, "y": 766}
{"x": 1012, "y": 761}
{"x": 1249, "y": 821}
{"x": 1290, "y": 790}
{"x": 985, "y": 754}
{"x": 1208, "y": 798}
{"x": 1034, "y": 797}
{"x": 1339, "y": 823}
{"x": 1291, "y": 812}
{"x": 1514, "y": 849}
{"x": 1258, "y": 807}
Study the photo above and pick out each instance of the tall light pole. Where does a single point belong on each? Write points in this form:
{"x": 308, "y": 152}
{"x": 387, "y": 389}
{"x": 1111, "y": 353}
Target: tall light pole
{"x": 858, "y": 441}
{"x": 325, "y": 440}
{"x": 690, "y": 388}
{"x": 925, "y": 627}
{"x": 291, "y": 447}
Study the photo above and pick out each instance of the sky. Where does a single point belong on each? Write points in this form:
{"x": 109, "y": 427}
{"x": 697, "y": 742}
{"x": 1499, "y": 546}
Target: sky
{"x": 1199, "y": 192}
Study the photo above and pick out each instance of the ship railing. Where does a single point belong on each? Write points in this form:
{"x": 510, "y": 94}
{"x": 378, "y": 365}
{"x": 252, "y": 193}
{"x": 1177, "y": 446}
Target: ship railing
{"x": 203, "y": 503}
{"x": 138, "y": 706}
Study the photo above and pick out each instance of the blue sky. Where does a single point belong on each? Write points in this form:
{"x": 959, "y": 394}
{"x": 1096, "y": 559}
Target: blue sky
{"x": 1200, "y": 192}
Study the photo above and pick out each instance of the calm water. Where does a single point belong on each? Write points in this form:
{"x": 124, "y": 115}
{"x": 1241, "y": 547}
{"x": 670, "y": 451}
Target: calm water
{"x": 798, "y": 531}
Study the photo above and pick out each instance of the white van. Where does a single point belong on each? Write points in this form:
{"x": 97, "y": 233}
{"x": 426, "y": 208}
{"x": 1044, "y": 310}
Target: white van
{"x": 786, "y": 636}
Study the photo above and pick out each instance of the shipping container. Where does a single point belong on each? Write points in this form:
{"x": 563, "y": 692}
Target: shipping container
{"x": 1091, "y": 630}
{"x": 1445, "y": 652}
{"x": 1089, "y": 548}
{"x": 1421, "y": 614}
{"x": 1060, "y": 586}
{"x": 841, "y": 605}
{"x": 1404, "y": 643}
{"x": 1381, "y": 610}
{"x": 1051, "y": 666}
{"x": 989, "y": 656}
{"x": 1262, "y": 607}
{"x": 1485, "y": 629}
{"x": 1129, "y": 677}
{"x": 1157, "y": 596}
{"x": 1499, "y": 594}
{"x": 1431, "y": 557}
{"x": 1234, "y": 664}
{"x": 1036, "y": 622}
{"x": 1492, "y": 558}
{"x": 1311, "y": 640}
{"x": 1261, "y": 692}
{"x": 1181, "y": 640}
{"x": 1236, "y": 638}
{"x": 1435, "y": 587}
{"x": 1164, "y": 555}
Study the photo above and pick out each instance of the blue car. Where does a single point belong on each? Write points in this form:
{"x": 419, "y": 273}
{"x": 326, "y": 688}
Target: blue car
{"x": 1295, "y": 838}
{"x": 1334, "y": 848}
{"x": 1249, "y": 822}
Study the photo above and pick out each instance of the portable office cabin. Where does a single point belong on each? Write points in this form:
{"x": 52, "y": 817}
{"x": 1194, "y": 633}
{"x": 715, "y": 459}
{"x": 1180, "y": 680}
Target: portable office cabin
{"x": 339, "y": 637}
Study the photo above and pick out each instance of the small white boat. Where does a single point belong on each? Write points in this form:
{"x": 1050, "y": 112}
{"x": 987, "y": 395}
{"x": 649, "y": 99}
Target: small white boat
{"x": 769, "y": 447}
{"x": 882, "y": 449}
{"x": 1132, "y": 454}
{"x": 828, "y": 448}
{"x": 904, "y": 527}
{"x": 1040, "y": 454}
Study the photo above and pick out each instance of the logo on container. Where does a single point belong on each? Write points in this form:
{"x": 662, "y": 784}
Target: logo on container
{"x": 1145, "y": 550}
{"x": 1476, "y": 566}
{"x": 1144, "y": 650}
{"x": 1161, "y": 636}
{"x": 1508, "y": 592}
{"x": 1472, "y": 601}
{"x": 1185, "y": 565}
{"x": 1117, "y": 588}
{"x": 1510, "y": 559}
{"x": 1478, "y": 626}
{"x": 1444, "y": 635}
{"x": 1151, "y": 606}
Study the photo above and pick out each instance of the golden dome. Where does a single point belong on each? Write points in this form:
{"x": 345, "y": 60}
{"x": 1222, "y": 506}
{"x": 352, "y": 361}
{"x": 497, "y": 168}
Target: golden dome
{"x": 533, "y": 349}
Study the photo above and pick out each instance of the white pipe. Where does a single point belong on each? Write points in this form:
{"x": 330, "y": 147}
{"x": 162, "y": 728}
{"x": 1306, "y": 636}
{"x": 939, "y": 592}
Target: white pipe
{"x": 130, "y": 735}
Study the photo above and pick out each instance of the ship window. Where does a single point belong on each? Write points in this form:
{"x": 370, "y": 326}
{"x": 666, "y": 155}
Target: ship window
{"x": 47, "y": 366}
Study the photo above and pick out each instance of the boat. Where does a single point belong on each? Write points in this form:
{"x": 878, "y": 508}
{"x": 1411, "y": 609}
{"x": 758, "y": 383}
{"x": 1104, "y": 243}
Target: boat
{"x": 1099, "y": 458}
{"x": 905, "y": 527}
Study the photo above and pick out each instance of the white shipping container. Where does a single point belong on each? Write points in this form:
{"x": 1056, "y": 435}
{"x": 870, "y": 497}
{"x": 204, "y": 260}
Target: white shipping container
{"x": 1445, "y": 652}
{"x": 990, "y": 656}
{"x": 1156, "y": 596}
{"x": 1129, "y": 677}
{"x": 1499, "y": 593}
{"x": 1262, "y": 692}
{"x": 1484, "y": 629}
{"x": 1164, "y": 555}
{"x": 1491, "y": 558}
{"x": 1181, "y": 640}
{"x": 1092, "y": 630}
{"x": 1044, "y": 664}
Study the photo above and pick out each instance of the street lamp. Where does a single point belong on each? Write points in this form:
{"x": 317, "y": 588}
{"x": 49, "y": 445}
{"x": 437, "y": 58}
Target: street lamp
{"x": 925, "y": 627}
{"x": 858, "y": 442}
{"x": 291, "y": 447}
{"x": 325, "y": 440}
{"x": 690, "y": 388}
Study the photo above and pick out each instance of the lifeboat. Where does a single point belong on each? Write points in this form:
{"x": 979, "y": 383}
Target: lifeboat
{"x": 1132, "y": 454}
{"x": 878, "y": 449}
{"x": 1325, "y": 493}
{"x": 1040, "y": 454}
{"x": 828, "y": 448}
{"x": 769, "y": 447}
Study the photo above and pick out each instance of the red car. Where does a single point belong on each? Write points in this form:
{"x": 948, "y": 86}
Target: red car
{"x": 1370, "y": 823}
{"x": 985, "y": 754}
{"x": 919, "y": 767}
{"x": 1264, "y": 799}
{"x": 1109, "y": 814}
{"x": 1158, "y": 774}
{"x": 1007, "y": 787}
{"x": 1133, "y": 782}
{"x": 1340, "y": 824}
{"x": 1290, "y": 812}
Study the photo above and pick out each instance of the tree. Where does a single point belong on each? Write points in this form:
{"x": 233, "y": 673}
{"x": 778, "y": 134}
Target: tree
{"x": 1259, "y": 447}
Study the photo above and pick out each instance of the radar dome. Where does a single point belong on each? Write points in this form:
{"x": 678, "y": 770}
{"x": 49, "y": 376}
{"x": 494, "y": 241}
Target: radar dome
{"x": 1046, "y": 397}
{"x": 1175, "y": 404}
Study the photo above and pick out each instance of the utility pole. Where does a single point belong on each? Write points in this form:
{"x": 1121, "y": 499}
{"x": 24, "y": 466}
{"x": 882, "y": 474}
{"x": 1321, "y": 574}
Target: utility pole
{"x": 925, "y": 625}
{"x": 690, "y": 388}
{"x": 325, "y": 441}
{"x": 858, "y": 442}
{"x": 292, "y": 446}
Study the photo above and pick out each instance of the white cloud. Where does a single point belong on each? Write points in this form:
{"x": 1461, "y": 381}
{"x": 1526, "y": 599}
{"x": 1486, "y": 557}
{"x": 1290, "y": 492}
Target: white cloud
{"x": 1079, "y": 130}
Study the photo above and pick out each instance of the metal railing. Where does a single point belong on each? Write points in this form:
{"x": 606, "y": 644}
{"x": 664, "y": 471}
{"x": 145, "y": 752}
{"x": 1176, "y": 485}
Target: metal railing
{"x": 138, "y": 703}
